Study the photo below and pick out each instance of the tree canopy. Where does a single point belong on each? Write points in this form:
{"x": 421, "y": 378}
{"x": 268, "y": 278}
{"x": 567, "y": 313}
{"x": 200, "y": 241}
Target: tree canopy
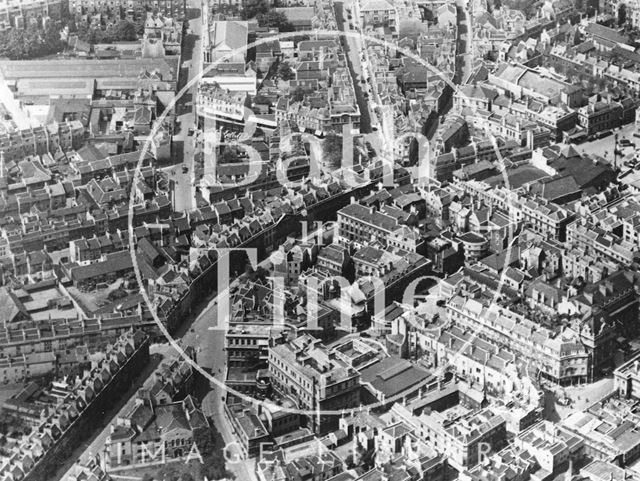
{"x": 122, "y": 31}
{"x": 332, "y": 150}
{"x": 273, "y": 19}
{"x": 285, "y": 72}
{"x": 31, "y": 42}
{"x": 253, "y": 8}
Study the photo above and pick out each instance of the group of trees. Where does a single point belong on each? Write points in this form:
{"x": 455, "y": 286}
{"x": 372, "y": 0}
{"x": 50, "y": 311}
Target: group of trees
{"x": 266, "y": 16}
{"x": 285, "y": 72}
{"x": 253, "y": 8}
{"x": 31, "y": 42}
{"x": 37, "y": 41}
{"x": 121, "y": 31}
{"x": 332, "y": 150}
{"x": 527, "y": 7}
{"x": 12, "y": 424}
{"x": 273, "y": 19}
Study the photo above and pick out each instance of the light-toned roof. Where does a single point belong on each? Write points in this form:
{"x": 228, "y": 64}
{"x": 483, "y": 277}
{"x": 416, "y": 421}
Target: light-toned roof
{"x": 229, "y": 35}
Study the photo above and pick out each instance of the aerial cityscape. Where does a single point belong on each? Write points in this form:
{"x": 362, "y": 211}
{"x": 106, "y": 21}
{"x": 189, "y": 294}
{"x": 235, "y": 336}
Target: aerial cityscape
{"x": 320, "y": 240}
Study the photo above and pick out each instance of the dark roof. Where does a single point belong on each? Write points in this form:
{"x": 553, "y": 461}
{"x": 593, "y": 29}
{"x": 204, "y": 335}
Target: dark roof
{"x": 393, "y": 376}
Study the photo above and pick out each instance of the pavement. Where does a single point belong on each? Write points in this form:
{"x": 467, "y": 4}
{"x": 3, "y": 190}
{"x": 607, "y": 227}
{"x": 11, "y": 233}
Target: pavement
{"x": 581, "y": 397}
{"x": 604, "y": 147}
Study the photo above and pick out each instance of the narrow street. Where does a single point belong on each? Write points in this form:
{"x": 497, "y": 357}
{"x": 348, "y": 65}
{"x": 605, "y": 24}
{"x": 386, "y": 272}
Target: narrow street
{"x": 95, "y": 444}
{"x": 352, "y": 46}
{"x": 464, "y": 61}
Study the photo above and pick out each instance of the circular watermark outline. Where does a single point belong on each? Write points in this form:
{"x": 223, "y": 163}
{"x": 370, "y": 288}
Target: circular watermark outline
{"x": 169, "y": 108}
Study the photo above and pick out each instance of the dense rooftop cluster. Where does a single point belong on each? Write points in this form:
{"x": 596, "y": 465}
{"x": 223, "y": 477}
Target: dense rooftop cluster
{"x": 442, "y": 199}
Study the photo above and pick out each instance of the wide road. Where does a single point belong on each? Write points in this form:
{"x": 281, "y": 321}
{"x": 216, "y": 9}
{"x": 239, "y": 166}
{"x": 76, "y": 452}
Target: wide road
{"x": 185, "y": 144}
{"x": 208, "y": 339}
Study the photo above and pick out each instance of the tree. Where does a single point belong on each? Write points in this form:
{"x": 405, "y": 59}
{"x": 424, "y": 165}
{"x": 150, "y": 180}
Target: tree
{"x": 140, "y": 27}
{"x": 368, "y": 458}
{"x": 123, "y": 31}
{"x": 229, "y": 156}
{"x": 31, "y": 42}
{"x": 622, "y": 14}
{"x": 332, "y": 150}
{"x": 126, "y": 30}
{"x": 10, "y": 423}
{"x": 73, "y": 27}
{"x": 273, "y": 19}
{"x": 204, "y": 441}
{"x": 214, "y": 467}
{"x": 349, "y": 462}
{"x": 254, "y": 8}
{"x": 285, "y": 72}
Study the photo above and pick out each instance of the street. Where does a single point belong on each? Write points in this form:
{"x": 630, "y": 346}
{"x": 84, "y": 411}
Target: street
{"x": 183, "y": 143}
{"x": 211, "y": 356}
{"x": 465, "y": 42}
{"x": 184, "y": 200}
{"x": 352, "y": 46}
{"x": 581, "y": 397}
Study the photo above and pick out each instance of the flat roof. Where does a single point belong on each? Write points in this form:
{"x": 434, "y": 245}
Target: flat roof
{"x": 87, "y": 68}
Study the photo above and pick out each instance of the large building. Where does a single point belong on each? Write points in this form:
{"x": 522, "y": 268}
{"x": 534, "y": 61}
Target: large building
{"x": 360, "y": 225}
{"x": 627, "y": 378}
{"x": 521, "y": 81}
{"x": 84, "y": 78}
{"x": 559, "y": 357}
{"x": 315, "y": 377}
{"x": 377, "y": 13}
{"x": 463, "y": 435}
{"x": 150, "y": 433}
{"x": 599, "y": 116}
